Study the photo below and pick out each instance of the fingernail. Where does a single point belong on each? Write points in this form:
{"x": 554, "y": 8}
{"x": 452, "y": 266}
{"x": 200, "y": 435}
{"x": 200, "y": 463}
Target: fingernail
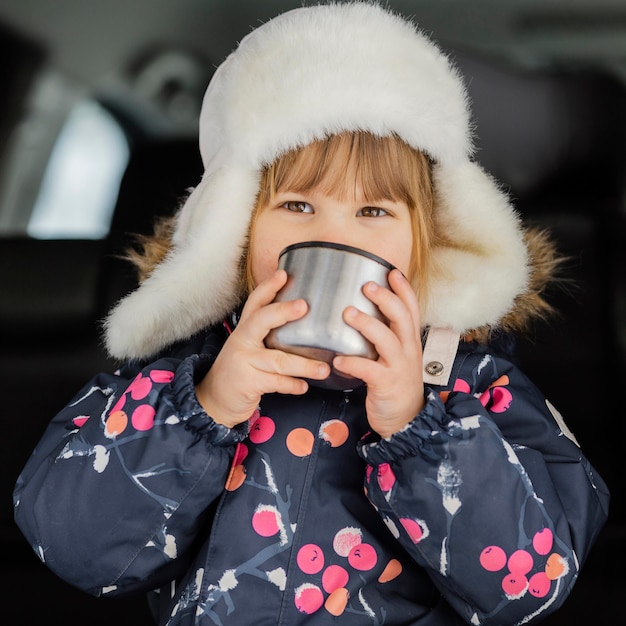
{"x": 350, "y": 312}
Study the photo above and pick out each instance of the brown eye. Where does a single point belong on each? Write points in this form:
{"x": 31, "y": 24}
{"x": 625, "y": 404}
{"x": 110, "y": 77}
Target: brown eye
{"x": 372, "y": 211}
{"x": 297, "y": 206}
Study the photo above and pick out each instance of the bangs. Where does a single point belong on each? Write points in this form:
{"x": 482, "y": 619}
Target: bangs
{"x": 384, "y": 168}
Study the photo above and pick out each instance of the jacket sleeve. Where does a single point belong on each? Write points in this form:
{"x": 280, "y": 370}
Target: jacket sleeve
{"x": 488, "y": 490}
{"x": 122, "y": 479}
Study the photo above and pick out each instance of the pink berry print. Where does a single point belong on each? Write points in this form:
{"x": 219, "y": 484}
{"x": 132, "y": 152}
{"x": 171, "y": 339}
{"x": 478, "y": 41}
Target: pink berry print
{"x": 143, "y": 417}
{"x": 539, "y": 585}
{"x": 310, "y": 558}
{"x": 241, "y": 453}
{"x": 542, "y": 541}
{"x": 262, "y": 430}
{"x": 308, "y": 598}
{"x": 414, "y": 528}
{"x": 266, "y": 521}
{"x": 334, "y": 577}
{"x": 346, "y": 539}
{"x": 501, "y": 399}
{"x": 497, "y": 397}
{"x": 80, "y": 420}
{"x": 493, "y": 558}
{"x": 119, "y": 405}
{"x": 461, "y": 385}
{"x": 515, "y": 586}
{"x": 140, "y": 387}
{"x": 368, "y": 473}
{"x": 386, "y": 477}
{"x": 520, "y": 562}
{"x": 161, "y": 376}
{"x": 254, "y": 417}
{"x": 363, "y": 557}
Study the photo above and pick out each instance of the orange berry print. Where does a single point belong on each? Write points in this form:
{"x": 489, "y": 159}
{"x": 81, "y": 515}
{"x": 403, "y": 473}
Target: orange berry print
{"x": 236, "y": 478}
{"x": 115, "y": 424}
{"x": 556, "y": 566}
{"x": 337, "y": 601}
{"x": 392, "y": 570}
{"x": 300, "y": 442}
{"x": 334, "y": 432}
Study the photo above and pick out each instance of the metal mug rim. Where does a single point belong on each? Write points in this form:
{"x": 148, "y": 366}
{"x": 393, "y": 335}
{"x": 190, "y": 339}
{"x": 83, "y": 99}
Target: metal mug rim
{"x": 337, "y": 246}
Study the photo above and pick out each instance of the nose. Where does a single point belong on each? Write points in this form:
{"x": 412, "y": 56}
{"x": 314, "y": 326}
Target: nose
{"x": 333, "y": 229}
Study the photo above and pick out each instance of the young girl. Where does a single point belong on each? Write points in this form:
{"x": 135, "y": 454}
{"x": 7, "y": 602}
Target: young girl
{"x": 444, "y": 490}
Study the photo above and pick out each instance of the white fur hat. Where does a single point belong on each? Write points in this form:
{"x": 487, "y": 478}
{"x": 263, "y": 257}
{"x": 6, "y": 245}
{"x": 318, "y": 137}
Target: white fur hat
{"x": 303, "y": 75}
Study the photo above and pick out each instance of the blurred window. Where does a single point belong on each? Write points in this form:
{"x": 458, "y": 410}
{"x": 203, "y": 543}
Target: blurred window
{"x": 82, "y": 178}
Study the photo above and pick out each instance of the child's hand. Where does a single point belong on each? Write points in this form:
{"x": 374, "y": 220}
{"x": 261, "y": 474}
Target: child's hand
{"x": 245, "y": 369}
{"x": 395, "y": 387}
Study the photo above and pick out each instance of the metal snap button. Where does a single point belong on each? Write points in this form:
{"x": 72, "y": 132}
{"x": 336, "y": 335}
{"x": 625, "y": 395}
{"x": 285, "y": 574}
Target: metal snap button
{"x": 434, "y": 368}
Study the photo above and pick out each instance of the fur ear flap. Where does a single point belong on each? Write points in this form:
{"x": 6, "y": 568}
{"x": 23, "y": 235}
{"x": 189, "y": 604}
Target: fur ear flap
{"x": 482, "y": 264}
{"x": 198, "y": 283}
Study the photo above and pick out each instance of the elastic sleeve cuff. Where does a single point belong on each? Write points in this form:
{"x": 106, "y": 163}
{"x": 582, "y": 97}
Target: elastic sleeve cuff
{"x": 419, "y": 437}
{"x": 190, "y": 411}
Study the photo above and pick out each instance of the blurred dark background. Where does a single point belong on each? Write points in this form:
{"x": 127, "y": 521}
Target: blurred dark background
{"x": 98, "y": 123}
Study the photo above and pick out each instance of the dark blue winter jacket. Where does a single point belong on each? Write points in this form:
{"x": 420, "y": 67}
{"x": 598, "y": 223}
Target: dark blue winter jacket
{"x": 481, "y": 510}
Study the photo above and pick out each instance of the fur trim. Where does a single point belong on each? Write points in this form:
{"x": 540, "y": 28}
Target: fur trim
{"x": 482, "y": 263}
{"x": 197, "y": 283}
{"x": 304, "y": 75}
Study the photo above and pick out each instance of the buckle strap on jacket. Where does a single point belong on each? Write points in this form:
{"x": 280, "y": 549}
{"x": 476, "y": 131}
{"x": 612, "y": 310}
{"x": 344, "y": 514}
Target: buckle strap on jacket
{"x": 438, "y": 355}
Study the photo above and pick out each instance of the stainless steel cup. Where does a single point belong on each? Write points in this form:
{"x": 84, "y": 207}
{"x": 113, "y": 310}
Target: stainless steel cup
{"x": 329, "y": 277}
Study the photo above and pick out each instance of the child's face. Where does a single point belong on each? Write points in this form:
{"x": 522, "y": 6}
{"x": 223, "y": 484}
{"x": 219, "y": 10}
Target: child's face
{"x": 382, "y": 228}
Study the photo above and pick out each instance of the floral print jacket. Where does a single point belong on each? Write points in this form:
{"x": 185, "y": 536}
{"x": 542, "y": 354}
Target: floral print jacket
{"x": 481, "y": 511}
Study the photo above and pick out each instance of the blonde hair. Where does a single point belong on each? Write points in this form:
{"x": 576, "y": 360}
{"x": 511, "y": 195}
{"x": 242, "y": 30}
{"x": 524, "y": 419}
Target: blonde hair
{"x": 382, "y": 167}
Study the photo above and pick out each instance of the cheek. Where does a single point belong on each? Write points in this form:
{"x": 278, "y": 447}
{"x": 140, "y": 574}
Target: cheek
{"x": 405, "y": 265}
{"x": 269, "y": 237}
{"x": 263, "y": 262}
{"x": 400, "y": 256}
{"x": 265, "y": 247}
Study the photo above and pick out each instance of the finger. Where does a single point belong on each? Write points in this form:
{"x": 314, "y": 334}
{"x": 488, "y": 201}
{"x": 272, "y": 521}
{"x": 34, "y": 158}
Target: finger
{"x": 358, "y": 367}
{"x": 260, "y": 322}
{"x": 264, "y": 292}
{"x": 372, "y": 328}
{"x": 290, "y": 365}
{"x": 396, "y": 307}
{"x": 285, "y": 385}
{"x": 403, "y": 288}
{"x": 383, "y": 337}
